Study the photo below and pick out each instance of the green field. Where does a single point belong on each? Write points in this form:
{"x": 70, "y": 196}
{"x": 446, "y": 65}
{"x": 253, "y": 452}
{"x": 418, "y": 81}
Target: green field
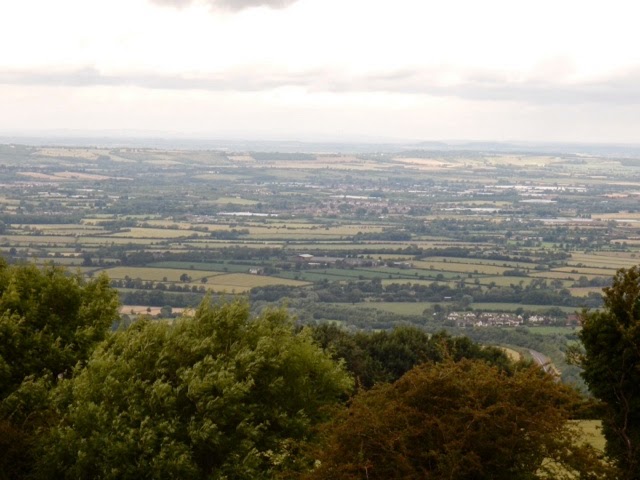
{"x": 399, "y": 308}
{"x": 511, "y": 307}
{"x": 476, "y": 268}
{"x": 551, "y": 330}
{"x": 156, "y": 274}
{"x": 221, "y": 267}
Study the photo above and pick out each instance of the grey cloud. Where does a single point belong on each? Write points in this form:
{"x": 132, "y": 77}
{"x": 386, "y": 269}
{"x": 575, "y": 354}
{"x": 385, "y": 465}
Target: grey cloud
{"x": 233, "y": 5}
{"x": 622, "y": 88}
{"x": 239, "y": 80}
{"x": 482, "y": 86}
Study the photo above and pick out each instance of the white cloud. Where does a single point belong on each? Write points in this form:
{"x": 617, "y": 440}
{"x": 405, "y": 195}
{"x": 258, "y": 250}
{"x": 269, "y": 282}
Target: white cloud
{"x": 325, "y": 59}
{"x": 228, "y": 4}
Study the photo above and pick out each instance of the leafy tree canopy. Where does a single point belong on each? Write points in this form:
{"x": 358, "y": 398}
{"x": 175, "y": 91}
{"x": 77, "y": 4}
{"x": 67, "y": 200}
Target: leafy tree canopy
{"x": 49, "y": 320}
{"x": 218, "y": 396}
{"x": 459, "y": 420}
{"x": 387, "y": 355}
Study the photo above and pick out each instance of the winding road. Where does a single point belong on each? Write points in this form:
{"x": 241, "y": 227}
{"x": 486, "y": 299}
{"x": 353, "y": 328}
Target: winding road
{"x": 545, "y": 362}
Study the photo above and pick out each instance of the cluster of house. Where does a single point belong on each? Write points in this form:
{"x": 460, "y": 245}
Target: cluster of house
{"x": 471, "y": 319}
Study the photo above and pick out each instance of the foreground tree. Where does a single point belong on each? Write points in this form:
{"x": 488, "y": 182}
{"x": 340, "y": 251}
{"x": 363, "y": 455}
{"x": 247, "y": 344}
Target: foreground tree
{"x": 49, "y": 321}
{"x": 611, "y": 363}
{"x": 464, "y": 420}
{"x": 218, "y": 396}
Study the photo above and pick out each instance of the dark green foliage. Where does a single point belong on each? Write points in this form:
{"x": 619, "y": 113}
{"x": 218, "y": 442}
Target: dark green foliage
{"x": 219, "y": 396}
{"x": 611, "y": 362}
{"x": 386, "y": 356}
{"x": 462, "y": 420}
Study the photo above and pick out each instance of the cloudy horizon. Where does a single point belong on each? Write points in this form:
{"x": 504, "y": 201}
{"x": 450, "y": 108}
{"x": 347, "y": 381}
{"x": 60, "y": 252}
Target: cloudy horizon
{"x": 317, "y": 69}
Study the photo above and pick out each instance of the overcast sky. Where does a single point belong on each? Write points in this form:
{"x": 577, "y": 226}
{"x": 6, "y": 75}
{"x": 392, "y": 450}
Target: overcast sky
{"x": 533, "y": 70}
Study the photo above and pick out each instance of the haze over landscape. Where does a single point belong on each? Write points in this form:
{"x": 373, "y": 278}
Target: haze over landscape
{"x": 356, "y": 70}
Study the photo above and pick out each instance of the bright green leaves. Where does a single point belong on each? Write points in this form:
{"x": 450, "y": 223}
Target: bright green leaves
{"x": 49, "y": 321}
{"x": 221, "y": 395}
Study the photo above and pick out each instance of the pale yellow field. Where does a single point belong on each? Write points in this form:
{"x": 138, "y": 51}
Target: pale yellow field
{"x": 235, "y": 280}
{"x": 512, "y": 354}
{"x": 592, "y": 433}
{"x": 617, "y": 216}
{"x": 40, "y": 239}
{"x": 80, "y": 153}
{"x": 611, "y": 263}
